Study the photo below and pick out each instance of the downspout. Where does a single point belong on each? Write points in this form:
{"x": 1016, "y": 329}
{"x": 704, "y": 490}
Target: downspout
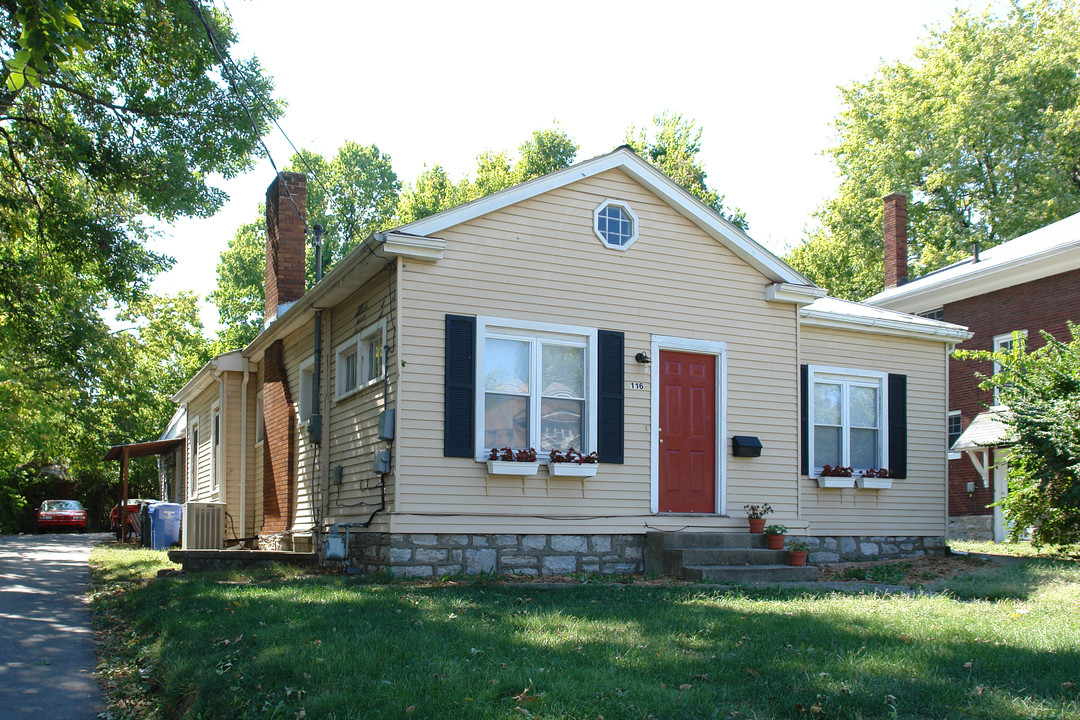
{"x": 219, "y": 461}
{"x": 315, "y": 426}
{"x": 244, "y": 448}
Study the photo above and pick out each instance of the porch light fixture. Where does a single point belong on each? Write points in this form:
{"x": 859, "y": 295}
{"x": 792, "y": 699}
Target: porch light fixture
{"x": 642, "y": 358}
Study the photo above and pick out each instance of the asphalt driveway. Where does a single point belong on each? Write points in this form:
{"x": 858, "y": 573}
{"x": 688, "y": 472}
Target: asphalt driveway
{"x": 46, "y": 647}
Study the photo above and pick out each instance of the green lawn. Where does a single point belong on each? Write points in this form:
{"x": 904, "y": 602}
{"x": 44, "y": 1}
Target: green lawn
{"x": 333, "y": 647}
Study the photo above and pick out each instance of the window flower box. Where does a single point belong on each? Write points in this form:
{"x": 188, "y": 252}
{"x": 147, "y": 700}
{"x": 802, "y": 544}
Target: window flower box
{"x": 511, "y": 467}
{"x": 572, "y": 469}
{"x": 835, "y": 482}
{"x": 875, "y": 483}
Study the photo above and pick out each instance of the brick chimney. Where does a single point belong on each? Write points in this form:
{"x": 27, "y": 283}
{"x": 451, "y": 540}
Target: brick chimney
{"x": 285, "y": 248}
{"x": 895, "y": 239}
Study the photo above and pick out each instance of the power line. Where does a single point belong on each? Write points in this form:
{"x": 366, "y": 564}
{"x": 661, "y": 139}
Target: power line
{"x": 230, "y": 76}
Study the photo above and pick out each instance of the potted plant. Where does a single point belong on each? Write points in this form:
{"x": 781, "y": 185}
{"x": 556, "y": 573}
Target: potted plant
{"x": 572, "y": 463}
{"x": 775, "y": 535}
{"x": 510, "y": 462}
{"x": 797, "y": 552}
{"x": 756, "y": 514}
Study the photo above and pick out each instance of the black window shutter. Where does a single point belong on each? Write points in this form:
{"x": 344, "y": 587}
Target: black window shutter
{"x": 459, "y": 421}
{"x": 804, "y": 418}
{"x": 609, "y": 420}
{"x": 897, "y": 426}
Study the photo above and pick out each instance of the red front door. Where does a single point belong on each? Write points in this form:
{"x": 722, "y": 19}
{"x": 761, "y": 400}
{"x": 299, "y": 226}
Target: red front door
{"x": 687, "y": 432}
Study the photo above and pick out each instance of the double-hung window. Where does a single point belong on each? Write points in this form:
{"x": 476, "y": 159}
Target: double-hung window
{"x": 1006, "y": 343}
{"x": 537, "y": 386}
{"x": 361, "y": 360}
{"x": 848, "y": 412}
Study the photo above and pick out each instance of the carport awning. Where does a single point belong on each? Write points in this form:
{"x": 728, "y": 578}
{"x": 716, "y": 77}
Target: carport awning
{"x": 142, "y": 449}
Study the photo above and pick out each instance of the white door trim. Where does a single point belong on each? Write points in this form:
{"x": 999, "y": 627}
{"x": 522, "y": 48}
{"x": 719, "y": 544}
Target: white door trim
{"x": 703, "y": 347}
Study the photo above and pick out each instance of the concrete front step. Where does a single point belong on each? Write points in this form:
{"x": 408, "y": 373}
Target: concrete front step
{"x": 732, "y": 556}
{"x": 751, "y": 573}
{"x": 720, "y": 557}
{"x": 697, "y": 540}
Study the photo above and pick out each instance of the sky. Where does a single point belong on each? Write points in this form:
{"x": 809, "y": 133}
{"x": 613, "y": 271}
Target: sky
{"x": 441, "y": 82}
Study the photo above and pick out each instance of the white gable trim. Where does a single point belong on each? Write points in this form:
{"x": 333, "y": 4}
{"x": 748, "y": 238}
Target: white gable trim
{"x": 625, "y": 159}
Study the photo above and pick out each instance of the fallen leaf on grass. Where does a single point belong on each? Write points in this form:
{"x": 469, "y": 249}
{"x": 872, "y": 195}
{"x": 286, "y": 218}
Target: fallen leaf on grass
{"x": 752, "y": 672}
{"x": 816, "y": 709}
{"x": 968, "y": 665}
{"x": 525, "y": 697}
{"x": 685, "y": 686}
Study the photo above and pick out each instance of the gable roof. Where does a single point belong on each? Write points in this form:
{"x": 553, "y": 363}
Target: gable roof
{"x": 625, "y": 159}
{"x": 1047, "y": 251}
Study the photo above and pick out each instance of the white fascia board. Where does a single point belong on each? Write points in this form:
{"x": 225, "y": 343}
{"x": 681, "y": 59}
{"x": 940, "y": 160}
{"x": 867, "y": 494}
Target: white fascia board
{"x": 663, "y": 187}
{"x": 795, "y": 294}
{"x": 942, "y": 332}
{"x": 934, "y": 291}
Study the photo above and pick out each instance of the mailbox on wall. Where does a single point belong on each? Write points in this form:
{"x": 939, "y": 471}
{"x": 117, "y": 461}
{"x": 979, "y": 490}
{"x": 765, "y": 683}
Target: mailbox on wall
{"x": 745, "y": 446}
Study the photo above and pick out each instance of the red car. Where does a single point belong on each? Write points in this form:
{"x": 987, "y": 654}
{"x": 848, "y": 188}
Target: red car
{"x": 61, "y": 515}
{"x": 134, "y": 505}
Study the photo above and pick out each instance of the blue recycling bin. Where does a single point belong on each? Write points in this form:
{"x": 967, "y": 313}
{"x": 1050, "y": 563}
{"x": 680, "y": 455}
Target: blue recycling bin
{"x": 165, "y": 524}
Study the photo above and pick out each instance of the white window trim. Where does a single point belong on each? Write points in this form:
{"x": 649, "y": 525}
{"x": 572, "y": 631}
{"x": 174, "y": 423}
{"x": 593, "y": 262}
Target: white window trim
{"x": 215, "y": 449}
{"x": 529, "y": 330}
{"x": 193, "y": 470}
{"x": 304, "y": 413}
{"x": 846, "y": 374}
{"x": 260, "y": 419}
{"x": 706, "y": 347}
{"x": 356, "y": 342}
{"x": 953, "y": 454}
{"x": 999, "y": 341}
{"x": 633, "y": 221}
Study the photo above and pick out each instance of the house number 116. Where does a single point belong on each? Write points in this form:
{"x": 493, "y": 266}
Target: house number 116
{"x": 637, "y": 386}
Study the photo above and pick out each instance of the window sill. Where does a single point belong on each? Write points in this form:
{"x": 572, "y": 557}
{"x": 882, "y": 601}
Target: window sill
{"x": 359, "y": 389}
{"x": 835, "y": 482}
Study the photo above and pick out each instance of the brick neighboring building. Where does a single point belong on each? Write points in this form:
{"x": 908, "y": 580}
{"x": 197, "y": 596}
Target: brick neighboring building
{"x": 1027, "y": 285}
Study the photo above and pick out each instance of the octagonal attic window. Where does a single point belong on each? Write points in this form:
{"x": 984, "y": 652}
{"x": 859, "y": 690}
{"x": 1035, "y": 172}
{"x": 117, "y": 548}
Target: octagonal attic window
{"x": 615, "y": 224}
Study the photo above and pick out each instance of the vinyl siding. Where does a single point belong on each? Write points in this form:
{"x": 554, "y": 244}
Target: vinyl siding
{"x": 199, "y": 410}
{"x": 914, "y": 505}
{"x": 539, "y": 260}
{"x": 255, "y": 462}
{"x": 352, "y": 422}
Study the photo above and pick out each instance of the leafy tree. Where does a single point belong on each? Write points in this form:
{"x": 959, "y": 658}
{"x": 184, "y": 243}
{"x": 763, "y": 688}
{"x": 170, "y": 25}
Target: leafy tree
{"x": 672, "y": 144}
{"x": 1042, "y": 390}
{"x": 240, "y": 295}
{"x": 982, "y": 131}
{"x": 546, "y": 151}
{"x": 121, "y": 115}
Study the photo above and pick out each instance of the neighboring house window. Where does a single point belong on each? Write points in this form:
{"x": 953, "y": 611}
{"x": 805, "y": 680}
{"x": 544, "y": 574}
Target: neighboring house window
{"x": 536, "y": 384}
{"x": 215, "y": 444}
{"x": 847, "y": 418}
{"x": 615, "y": 224}
{"x": 361, "y": 360}
{"x": 1006, "y": 342}
{"x": 193, "y": 451}
{"x": 307, "y": 389}
{"x": 260, "y": 427}
{"x": 935, "y": 314}
{"x": 954, "y": 429}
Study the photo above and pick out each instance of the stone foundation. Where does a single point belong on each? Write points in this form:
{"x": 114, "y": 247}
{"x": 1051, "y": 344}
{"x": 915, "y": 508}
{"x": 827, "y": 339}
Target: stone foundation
{"x": 971, "y": 527}
{"x": 285, "y": 542}
{"x": 845, "y": 548}
{"x": 418, "y": 555}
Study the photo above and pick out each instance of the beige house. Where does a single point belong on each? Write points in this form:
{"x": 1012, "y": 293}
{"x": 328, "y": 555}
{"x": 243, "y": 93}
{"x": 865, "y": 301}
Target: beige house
{"x": 602, "y": 308}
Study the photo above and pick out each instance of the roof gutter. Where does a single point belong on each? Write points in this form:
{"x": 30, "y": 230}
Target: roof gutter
{"x": 942, "y": 332}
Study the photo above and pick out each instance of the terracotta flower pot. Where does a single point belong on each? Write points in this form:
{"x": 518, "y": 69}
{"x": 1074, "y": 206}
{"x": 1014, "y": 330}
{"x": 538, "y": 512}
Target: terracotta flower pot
{"x": 797, "y": 558}
{"x": 776, "y": 542}
{"x": 757, "y": 525}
